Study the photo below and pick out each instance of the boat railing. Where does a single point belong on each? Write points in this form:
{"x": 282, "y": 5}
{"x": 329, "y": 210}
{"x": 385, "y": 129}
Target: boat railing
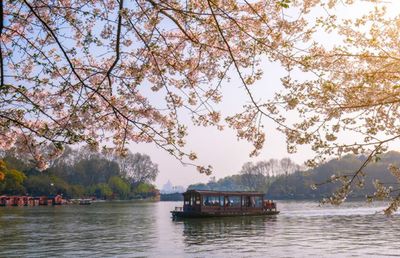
{"x": 269, "y": 205}
{"x": 178, "y": 208}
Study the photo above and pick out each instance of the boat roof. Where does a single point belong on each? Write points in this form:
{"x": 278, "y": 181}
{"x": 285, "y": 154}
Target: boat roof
{"x": 210, "y": 192}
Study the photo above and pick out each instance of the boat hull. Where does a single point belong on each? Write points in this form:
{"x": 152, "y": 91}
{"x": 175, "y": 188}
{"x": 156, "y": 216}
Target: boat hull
{"x": 183, "y": 214}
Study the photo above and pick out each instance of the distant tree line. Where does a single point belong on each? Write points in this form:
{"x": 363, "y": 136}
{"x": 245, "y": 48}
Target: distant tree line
{"x": 171, "y": 197}
{"x": 283, "y": 179}
{"x": 81, "y": 172}
{"x": 299, "y": 185}
{"x": 252, "y": 177}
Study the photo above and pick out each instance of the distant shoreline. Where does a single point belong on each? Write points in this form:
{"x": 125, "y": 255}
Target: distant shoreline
{"x": 179, "y": 197}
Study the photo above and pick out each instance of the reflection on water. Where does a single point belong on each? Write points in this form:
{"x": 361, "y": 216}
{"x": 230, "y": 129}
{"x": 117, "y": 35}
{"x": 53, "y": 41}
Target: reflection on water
{"x": 214, "y": 230}
{"x": 77, "y": 230}
{"x": 128, "y": 229}
{"x": 221, "y": 235}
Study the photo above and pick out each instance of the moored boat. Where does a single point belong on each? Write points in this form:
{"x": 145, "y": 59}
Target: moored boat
{"x": 25, "y": 200}
{"x": 202, "y": 204}
{"x": 85, "y": 201}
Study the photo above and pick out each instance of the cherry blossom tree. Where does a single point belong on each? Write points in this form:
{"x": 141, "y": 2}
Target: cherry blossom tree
{"x": 350, "y": 103}
{"x": 107, "y": 73}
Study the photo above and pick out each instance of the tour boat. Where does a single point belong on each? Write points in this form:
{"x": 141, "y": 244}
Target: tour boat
{"x": 201, "y": 204}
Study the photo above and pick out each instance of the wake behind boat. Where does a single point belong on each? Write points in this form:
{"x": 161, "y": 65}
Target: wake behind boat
{"x": 201, "y": 204}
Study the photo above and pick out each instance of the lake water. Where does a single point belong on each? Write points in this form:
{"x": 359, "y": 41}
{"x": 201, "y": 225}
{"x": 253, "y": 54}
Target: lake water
{"x": 129, "y": 229}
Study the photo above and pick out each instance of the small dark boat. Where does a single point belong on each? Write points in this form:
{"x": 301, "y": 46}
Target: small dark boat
{"x": 85, "y": 201}
{"x": 202, "y": 204}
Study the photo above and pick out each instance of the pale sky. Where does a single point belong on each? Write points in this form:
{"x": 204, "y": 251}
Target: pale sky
{"x": 221, "y": 149}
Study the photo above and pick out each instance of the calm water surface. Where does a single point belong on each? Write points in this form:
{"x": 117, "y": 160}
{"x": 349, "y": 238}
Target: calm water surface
{"x": 128, "y": 229}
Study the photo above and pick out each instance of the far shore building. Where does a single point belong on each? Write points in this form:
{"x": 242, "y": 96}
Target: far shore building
{"x": 169, "y": 188}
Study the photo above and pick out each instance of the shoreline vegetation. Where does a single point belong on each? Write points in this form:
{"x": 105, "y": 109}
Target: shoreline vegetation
{"x": 284, "y": 180}
{"x": 81, "y": 173}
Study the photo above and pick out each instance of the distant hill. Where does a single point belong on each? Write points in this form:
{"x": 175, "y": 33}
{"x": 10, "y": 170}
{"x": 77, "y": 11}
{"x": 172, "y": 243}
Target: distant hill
{"x": 297, "y": 185}
{"x": 171, "y": 197}
{"x": 229, "y": 183}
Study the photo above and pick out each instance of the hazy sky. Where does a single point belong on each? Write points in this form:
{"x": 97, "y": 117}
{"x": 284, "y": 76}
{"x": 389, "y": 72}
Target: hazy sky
{"x": 221, "y": 149}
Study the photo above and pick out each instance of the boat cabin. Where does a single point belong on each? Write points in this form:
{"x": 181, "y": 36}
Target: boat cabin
{"x": 204, "y": 201}
{"x": 201, "y": 203}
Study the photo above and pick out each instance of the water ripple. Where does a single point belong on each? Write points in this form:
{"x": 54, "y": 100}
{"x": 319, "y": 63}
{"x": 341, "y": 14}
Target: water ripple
{"x": 128, "y": 229}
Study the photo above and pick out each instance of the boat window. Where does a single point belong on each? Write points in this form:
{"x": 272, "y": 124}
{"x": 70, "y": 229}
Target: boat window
{"x": 211, "y": 200}
{"x": 235, "y": 201}
{"x": 226, "y": 201}
{"x": 246, "y": 201}
{"x": 258, "y": 201}
{"x": 186, "y": 200}
{"x": 232, "y": 201}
